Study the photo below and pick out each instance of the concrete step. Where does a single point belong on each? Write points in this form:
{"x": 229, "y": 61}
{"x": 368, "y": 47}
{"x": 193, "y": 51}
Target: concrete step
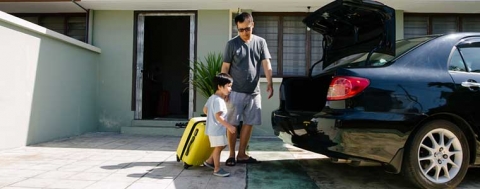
{"x": 155, "y": 130}
{"x": 159, "y": 123}
{"x": 164, "y": 127}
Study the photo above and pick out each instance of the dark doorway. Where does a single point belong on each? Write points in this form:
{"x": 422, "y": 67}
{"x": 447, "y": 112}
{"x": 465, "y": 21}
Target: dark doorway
{"x": 165, "y": 67}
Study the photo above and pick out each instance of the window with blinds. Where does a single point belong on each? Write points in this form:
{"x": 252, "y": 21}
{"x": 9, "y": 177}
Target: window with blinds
{"x": 72, "y": 25}
{"x": 444, "y": 25}
{"x": 293, "y": 48}
{"x": 471, "y": 24}
{"x": 294, "y": 40}
{"x": 417, "y": 24}
{"x": 77, "y": 28}
{"x": 267, "y": 27}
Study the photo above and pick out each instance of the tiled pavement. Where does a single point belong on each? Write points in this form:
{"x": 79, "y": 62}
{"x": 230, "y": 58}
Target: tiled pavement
{"x": 118, "y": 161}
{"x": 108, "y": 160}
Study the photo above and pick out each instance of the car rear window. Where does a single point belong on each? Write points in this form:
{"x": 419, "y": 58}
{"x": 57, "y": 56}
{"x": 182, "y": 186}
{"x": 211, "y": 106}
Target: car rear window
{"x": 379, "y": 59}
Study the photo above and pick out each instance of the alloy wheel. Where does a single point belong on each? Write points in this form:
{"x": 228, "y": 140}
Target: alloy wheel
{"x": 440, "y": 156}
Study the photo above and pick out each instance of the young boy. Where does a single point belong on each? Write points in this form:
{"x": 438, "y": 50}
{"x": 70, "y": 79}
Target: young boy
{"x": 216, "y": 110}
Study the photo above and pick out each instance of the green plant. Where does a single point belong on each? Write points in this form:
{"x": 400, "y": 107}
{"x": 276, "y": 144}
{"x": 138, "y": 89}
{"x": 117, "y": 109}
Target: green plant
{"x": 204, "y": 72}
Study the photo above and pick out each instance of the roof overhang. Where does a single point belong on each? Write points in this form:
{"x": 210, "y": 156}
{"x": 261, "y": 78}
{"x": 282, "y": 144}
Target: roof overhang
{"x": 57, "y": 6}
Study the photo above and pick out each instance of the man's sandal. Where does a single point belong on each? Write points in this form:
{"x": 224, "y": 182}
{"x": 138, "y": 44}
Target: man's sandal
{"x": 230, "y": 162}
{"x": 249, "y": 160}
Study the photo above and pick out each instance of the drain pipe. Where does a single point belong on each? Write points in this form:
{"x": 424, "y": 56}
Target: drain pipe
{"x": 73, "y": 1}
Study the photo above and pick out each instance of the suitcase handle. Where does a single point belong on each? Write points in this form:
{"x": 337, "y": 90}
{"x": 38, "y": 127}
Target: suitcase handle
{"x": 191, "y": 142}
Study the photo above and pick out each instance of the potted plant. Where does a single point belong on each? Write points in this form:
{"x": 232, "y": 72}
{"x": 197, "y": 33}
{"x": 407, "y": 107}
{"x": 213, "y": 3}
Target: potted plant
{"x": 204, "y": 72}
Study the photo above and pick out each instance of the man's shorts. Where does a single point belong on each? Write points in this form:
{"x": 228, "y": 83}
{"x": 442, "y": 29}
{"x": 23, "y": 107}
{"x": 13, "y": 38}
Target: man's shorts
{"x": 216, "y": 141}
{"x": 244, "y": 107}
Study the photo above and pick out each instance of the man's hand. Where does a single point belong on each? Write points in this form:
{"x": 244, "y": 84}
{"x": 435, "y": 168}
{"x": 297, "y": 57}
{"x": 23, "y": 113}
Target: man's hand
{"x": 269, "y": 90}
{"x": 267, "y": 68}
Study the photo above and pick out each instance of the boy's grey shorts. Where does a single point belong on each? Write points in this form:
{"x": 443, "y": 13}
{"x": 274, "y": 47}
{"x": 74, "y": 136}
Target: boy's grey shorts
{"x": 244, "y": 107}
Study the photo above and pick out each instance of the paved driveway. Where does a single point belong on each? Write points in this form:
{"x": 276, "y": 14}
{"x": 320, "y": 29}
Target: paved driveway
{"x": 110, "y": 160}
{"x": 323, "y": 173}
{"x": 107, "y": 160}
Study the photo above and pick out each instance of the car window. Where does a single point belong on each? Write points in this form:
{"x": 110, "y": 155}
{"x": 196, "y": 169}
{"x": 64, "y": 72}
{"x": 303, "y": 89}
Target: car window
{"x": 471, "y": 55}
{"x": 456, "y": 62}
{"x": 379, "y": 59}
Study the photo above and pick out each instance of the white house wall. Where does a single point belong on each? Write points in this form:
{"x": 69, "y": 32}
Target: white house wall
{"x": 113, "y": 33}
{"x": 47, "y": 84}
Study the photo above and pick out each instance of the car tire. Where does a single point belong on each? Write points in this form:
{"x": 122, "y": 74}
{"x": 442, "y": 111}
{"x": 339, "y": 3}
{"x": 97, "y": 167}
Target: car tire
{"x": 430, "y": 162}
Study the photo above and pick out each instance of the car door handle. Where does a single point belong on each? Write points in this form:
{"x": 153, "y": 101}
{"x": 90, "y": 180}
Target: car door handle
{"x": 470, "y": 84}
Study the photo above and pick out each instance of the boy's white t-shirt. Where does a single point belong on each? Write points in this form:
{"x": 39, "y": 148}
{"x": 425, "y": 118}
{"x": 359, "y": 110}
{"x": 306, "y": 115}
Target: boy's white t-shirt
{"x": 214, "y": 105}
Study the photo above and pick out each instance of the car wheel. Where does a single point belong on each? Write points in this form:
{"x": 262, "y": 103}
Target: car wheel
{"x": 437, "y": 156}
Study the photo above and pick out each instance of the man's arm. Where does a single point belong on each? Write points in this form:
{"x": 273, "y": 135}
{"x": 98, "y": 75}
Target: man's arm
{"x": 225, "y": 67}
{"x": 267, "y": 68}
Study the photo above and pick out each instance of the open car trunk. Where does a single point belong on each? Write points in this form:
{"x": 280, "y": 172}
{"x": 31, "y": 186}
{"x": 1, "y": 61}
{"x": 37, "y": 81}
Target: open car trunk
{"x": 300, "y": 99}
{"x": 305, "y": 94}
{"x": 348, "y": 27}
{"x": 352, "y": 30}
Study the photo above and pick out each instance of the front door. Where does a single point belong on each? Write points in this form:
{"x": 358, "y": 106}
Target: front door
{"x": 165, "y": 48}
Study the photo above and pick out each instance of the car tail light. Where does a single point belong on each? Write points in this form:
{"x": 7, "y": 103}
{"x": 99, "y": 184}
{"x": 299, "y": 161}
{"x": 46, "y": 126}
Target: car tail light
{"x": 344, "y": 87}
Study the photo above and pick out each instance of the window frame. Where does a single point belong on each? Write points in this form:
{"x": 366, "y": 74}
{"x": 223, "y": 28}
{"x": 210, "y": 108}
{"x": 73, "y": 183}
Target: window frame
{"x": 473, "y": 42}
{"x": 65, "y": 17}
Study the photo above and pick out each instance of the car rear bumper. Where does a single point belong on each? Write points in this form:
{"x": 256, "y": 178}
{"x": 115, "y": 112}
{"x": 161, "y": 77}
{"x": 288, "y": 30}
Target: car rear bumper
{"x": 339, "y": 138}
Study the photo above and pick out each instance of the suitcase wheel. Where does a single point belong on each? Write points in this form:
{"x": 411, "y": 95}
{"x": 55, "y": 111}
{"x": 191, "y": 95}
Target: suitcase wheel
{"x": 178, "y": 159}
{"x": 186, "y": 166}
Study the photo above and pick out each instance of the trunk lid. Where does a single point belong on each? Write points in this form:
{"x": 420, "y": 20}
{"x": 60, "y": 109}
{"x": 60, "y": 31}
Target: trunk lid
{"x": 353, "y": 26}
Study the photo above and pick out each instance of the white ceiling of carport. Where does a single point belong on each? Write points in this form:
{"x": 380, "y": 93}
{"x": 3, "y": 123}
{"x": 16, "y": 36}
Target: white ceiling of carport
{"x": 421, "y": 6}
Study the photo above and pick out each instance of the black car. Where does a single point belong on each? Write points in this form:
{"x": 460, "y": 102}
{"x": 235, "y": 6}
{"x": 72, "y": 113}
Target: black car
{"x": 411, "y": 105}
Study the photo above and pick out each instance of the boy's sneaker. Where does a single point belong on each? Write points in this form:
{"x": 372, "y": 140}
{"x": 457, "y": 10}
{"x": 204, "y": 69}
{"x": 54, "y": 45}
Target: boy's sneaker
{"x": 206, "y": 164}
{"x": 221, "y": 173}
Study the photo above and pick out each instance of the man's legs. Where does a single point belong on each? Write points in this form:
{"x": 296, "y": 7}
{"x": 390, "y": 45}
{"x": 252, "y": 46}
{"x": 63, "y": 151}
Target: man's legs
{"x": 246, "y": 107}
{"x": 245, "y": 134}
{"x": 232, "y": 141}
{"x": 252, "y": 116}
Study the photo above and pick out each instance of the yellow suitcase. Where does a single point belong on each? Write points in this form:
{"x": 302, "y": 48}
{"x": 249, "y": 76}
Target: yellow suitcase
{"x": 194, "y": 147}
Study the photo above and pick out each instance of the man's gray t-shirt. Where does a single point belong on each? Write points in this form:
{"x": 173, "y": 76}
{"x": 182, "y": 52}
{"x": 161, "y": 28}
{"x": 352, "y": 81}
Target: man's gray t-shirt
{"x": 245, "y": 62}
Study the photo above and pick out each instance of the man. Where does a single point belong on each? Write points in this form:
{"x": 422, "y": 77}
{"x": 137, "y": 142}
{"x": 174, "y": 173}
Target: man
{"x": 241, "y": 59}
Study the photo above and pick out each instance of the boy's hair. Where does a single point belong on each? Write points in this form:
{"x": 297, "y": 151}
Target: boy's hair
{"x": 242, "y": 17}
{"x": 221, "y": 79}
